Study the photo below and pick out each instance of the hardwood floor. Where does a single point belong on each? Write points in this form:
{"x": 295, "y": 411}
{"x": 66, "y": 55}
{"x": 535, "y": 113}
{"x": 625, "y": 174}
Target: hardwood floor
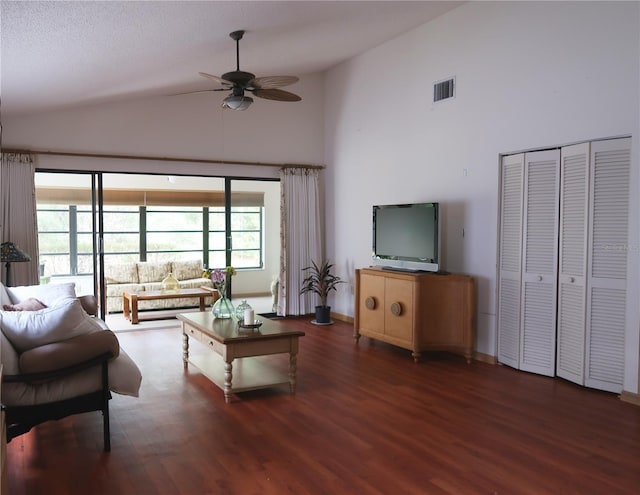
{"x": 365, "y": 420}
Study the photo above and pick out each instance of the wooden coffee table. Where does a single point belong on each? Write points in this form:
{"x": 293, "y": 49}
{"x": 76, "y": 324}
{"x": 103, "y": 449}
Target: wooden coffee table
{"x": 130, "y": 299}
{"x": 248, "y": 346}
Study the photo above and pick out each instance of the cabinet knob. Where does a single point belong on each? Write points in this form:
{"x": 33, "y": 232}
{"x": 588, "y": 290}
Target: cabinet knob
{"x": 396, "y": 309}
{"x": 370, "y": 303}
{"x": 539, "y": 278}
{"x": 572, "y": 280}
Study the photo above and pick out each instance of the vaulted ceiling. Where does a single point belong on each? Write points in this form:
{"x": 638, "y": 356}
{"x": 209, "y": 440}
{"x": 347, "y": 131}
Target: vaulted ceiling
{"x": 61, "y": 54}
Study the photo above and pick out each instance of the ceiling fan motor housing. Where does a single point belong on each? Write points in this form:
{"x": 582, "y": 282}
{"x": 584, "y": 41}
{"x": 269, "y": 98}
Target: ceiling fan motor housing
{"x": 238, "y": 77}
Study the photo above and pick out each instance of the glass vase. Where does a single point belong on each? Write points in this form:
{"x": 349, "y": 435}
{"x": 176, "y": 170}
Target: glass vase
{"x": 223, "y": 308}
{"x": 241, "y": 308}
{"x": 169, "y": 284}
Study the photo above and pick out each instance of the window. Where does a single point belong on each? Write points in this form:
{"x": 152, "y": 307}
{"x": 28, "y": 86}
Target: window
{"x": 246, "y": 237}
{"x": 158, "y": 233}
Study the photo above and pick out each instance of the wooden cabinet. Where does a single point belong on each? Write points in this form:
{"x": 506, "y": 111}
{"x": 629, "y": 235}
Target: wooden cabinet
{"x": 416, "y": 311}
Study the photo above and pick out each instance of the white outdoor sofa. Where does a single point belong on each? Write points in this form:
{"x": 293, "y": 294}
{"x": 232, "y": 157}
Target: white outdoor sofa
{"x": 57, "y": 359}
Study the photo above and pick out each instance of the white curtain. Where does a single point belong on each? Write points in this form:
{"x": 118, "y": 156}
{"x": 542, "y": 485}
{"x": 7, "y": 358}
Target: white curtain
{"x": 301, "y": 239}
{"x": 18, "y": 215}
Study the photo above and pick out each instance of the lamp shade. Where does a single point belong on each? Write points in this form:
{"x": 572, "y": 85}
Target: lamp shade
{"x": 10, "y": 253}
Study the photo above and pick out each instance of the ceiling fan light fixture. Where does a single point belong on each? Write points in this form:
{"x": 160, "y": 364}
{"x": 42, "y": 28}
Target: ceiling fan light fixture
{"x": 235, "y": 102}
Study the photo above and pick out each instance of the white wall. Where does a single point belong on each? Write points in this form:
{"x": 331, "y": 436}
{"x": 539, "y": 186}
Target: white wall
{"x": 189, "y": 126}
{"x": 528, "y": 75}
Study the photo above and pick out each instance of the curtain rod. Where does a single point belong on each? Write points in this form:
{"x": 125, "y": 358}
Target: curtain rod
{"x": 162, "y": 158}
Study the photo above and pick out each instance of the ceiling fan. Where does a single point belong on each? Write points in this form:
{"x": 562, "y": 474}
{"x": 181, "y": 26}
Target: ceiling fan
{"x": 239, "y": 81}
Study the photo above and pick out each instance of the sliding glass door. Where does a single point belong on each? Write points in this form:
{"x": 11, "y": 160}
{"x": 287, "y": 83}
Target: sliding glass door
{"x": 89, "y": 221}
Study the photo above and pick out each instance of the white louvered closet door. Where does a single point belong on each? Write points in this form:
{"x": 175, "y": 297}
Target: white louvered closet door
{"x": 572, "y": 266}
{"x": 512, "y": 169}
{"x": 606, "y": 285}
{"x": 539, "y": 262}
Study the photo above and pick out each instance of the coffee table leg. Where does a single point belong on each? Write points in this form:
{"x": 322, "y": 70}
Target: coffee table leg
{"x": 134, "y": 309}
{"x": 293, "y": 366}
{"x": 125, "y": 306}
{"x": 185, "y": 348}
{"x": 228, "y": 376}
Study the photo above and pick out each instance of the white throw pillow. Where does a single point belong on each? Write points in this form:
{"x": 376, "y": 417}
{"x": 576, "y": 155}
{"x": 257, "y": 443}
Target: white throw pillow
{"x": 29, "y": 329}
{"x": 49, "y": 294}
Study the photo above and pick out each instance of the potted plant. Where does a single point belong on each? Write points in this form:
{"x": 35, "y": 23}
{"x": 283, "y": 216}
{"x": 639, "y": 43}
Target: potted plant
{"x": 320, "y": 281}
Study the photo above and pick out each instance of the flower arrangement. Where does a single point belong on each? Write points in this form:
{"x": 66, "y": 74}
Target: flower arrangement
{"x": 221, "y": 278}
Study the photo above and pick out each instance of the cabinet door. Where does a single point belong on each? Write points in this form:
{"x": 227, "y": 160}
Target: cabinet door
{"x": 608, "y": 244}
{"x": 510, "y": 245}
{"x": 539, "y": 262}
{"x": 371, "y": 304}
{"x": 399, "y": 310}
{"x": 572, "y": 267}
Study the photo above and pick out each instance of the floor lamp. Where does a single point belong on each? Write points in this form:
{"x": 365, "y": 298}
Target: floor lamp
{"x": 10, "y": 253}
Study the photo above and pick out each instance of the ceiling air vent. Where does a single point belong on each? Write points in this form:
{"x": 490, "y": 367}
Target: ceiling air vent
{"x": 443, "y": 90}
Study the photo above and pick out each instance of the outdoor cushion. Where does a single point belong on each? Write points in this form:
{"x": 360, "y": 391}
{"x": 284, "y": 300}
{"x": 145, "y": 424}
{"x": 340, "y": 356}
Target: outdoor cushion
{"x": 121, "y": 273}
{"x": 59, "y": 355}
{"x": 152, "y": 272}
{"x": 185, "y": 270}
{"x": 124, "y": 379}
{"x": 29, "y": 329}
{"x": 48, "y": 294}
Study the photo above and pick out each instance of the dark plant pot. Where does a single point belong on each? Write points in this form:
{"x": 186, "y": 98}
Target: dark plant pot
{"x": 323, "y": 315}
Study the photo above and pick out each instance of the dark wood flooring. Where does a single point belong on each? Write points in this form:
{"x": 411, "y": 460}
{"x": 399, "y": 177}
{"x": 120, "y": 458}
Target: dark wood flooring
{"x": 365, "y": 420}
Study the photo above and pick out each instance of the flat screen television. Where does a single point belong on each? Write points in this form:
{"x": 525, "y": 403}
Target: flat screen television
{"x": 406, "y": 237}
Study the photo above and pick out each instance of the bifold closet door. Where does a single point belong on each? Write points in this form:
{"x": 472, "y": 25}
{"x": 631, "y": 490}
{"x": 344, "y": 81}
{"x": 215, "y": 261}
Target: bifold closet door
{"x": 511, "y": 184}
{"x": 538, "y": 298}
{"x": 606, "y": 281}
{"x": 572, "y": 265}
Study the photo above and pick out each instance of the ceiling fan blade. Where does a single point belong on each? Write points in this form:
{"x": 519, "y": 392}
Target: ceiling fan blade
{"x": 217, "y": 79}
{"x": 275, "y": 94}
{"x": 269, "y": 82}
{"x": 200, "y": 91}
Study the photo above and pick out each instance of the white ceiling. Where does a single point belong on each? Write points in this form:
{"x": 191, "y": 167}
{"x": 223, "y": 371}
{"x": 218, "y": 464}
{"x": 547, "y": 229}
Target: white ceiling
{"x": 61, "y": 54}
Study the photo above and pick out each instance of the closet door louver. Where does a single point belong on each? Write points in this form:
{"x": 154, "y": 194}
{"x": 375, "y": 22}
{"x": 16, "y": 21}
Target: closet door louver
{"x": 572, "y": 266}
{"x": 512, "y": 168}
{"x": 539, "y": 262}
{"x": 608, "y": 243}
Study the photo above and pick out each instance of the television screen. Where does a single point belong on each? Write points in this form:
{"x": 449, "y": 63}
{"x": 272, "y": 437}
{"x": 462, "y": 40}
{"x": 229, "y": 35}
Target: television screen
{"x": 406, "y": 236}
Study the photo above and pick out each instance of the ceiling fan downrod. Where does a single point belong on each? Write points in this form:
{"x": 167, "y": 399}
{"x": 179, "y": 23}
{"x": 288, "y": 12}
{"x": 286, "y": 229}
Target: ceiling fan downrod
{"x": 237, "y": 36}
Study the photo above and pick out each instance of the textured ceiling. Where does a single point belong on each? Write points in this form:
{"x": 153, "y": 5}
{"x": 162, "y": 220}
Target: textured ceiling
{"x": 61, "y": 54}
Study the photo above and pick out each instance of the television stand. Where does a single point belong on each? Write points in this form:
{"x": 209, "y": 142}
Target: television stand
{"x": 416, "y": 311}
{"x": 396, "y": 269}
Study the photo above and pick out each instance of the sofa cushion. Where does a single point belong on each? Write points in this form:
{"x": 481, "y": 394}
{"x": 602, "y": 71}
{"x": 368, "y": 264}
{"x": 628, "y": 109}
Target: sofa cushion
{"x": 59, "y": 355}
{"x": 121, "y": 273}
{"x": 48, "y": 294}
{"x": 153, "y": 272}
{"x": 116, "y": 290}
{"x": 124, "y": 378}
{"x": 184, "y": 270}
{"x": 29, "y": 329}
{"x": 31, "y": 304}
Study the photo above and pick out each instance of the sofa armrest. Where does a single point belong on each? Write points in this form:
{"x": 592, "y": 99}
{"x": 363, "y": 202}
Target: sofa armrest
{"x": 90, "y": 304}
{"x": 66, "y": 357}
